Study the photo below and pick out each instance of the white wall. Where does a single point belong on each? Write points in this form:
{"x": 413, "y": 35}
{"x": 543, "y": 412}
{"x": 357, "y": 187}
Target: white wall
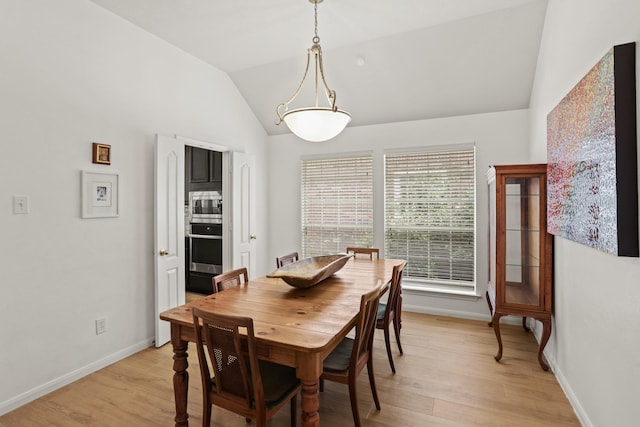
{"x": 72, "y": 73}
{"x": 500, "y": 138}
{"x": 595, "y": 349}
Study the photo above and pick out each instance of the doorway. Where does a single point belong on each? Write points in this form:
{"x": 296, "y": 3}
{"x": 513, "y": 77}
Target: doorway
{"x": 205, "y": 256}
{"x": 237, "y": 208}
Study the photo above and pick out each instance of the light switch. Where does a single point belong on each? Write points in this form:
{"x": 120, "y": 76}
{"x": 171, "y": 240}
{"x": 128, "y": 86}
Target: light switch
{"x": 20, "y": 204}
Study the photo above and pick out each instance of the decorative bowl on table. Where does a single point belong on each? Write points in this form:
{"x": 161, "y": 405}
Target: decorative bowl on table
{"x": 311, "y": 271}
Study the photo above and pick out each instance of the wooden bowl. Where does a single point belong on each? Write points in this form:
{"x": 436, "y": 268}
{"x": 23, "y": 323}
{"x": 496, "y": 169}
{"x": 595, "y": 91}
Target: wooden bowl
{"x": 310, "y": 271}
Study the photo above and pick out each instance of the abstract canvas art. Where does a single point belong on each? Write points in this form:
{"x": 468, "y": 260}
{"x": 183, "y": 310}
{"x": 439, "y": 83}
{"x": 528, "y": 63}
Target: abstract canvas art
{"x": 592, "y": 193}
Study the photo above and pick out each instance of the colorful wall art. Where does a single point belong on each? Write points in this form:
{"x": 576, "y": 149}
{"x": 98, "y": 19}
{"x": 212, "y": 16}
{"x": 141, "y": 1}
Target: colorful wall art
{"x": 592, "y": 193}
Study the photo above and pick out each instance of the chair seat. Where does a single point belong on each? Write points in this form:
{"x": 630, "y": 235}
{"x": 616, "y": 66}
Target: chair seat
{"x": 382, "y": 307}
{"x": 278, "y": 381}
{"x": 338, "y": 361}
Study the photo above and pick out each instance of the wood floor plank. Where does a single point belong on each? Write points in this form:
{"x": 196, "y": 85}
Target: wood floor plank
{"x": 447, "y": 377}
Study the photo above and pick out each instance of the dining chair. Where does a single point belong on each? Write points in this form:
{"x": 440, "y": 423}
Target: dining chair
{"x": 287, "y": 259}
{"x": 347, "y": 360}
{"x": 236, "y": 380}
{"x": 366, "y": 251}
{"x": 230, "y": 279}
{"x": 390, "y": 312}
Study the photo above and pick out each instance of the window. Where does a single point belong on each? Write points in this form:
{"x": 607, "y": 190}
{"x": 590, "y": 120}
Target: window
{"x": 337, "y": 204}
{"x": 430, "y": 215}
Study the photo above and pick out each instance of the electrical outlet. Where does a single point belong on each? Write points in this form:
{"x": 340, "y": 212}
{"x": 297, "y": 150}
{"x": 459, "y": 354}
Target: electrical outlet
{"x": 101, "y": 325}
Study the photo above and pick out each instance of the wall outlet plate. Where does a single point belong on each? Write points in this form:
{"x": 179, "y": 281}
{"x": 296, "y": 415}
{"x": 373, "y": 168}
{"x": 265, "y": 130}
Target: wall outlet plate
{"x": 101, "y": 325}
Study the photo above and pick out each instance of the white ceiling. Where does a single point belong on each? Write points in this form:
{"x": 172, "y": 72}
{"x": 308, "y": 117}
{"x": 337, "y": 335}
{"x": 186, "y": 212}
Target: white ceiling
{"x": 387, "y": 60}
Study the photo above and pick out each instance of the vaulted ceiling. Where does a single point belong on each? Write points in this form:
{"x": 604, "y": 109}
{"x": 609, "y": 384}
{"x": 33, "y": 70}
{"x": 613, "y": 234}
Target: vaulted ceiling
{"x": 388, "y": 61}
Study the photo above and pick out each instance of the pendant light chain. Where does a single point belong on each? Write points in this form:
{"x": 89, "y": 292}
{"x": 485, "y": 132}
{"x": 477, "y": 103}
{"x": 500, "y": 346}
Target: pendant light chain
{"x": 316, "y": 39}
{"x": 314, "y": 123}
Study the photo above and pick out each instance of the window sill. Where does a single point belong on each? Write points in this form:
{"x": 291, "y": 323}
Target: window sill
{"x": 439, "y": 291}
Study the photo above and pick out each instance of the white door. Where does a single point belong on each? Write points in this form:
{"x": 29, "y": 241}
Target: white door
{"x": 243, "y": 215}
{"x": 169, "y": 231}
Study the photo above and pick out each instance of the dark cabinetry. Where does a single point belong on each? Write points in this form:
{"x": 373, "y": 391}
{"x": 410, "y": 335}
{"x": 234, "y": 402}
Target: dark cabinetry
{"x": 203, "y": 170}
{"x": 201, "y": 283}
{"x": 520, "y": 249}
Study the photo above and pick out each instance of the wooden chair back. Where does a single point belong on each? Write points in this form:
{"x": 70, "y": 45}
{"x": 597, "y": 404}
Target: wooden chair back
{"x": 364, "y": 251}
{"x": 230, "y": 279}
{"x": 232, "y": 374}
{"x": 346, "y": 371}
{"x": 236, "y": 379}
{"x": 392, "y": 313}
{"x": 287, "y": 259}
{"x": 365, "y": 328}
{"x": 393, "y": 301}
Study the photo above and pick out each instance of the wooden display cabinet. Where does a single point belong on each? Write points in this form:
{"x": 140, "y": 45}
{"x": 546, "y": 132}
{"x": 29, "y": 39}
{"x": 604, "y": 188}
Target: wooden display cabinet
{"x": 520, "y": 249}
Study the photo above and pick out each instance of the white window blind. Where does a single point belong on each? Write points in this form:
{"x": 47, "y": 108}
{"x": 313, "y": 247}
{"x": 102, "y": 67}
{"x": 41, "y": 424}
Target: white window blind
{"x": 337, "y": 204}
{"x": 430, "y": 215}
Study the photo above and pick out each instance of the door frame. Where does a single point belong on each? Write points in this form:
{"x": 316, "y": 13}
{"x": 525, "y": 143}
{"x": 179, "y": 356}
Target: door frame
{"x": 226, "y": 191}
{"x": 227, "y": 196}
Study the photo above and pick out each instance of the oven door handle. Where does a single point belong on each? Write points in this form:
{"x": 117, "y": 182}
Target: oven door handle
{"x": 204, "y": 236}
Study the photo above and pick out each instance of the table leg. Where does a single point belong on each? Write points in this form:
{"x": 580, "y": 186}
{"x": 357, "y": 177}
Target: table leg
{"x": 180, "y": 377}
{"x": 310, "y": 403}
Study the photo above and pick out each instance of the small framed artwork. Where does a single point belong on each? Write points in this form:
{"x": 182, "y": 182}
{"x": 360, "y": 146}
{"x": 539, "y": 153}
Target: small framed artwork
{"x": 101, "y": 154}
{"x": 99, "y": 195}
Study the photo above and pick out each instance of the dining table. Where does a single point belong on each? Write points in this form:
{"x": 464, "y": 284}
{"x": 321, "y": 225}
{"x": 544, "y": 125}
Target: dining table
{"x": 294, "y": 327}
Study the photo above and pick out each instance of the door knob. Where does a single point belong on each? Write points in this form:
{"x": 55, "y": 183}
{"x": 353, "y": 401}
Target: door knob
{"x": 164, "y": 252}
{"x": 252, "y": 237}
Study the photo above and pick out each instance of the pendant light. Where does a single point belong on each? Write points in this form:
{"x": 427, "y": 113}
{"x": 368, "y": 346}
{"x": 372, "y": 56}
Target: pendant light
{"x": 315, "y": 123}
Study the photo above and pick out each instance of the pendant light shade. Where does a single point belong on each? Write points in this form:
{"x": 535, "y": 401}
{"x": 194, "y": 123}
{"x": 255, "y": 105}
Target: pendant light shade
{"x": 314, "y": 123}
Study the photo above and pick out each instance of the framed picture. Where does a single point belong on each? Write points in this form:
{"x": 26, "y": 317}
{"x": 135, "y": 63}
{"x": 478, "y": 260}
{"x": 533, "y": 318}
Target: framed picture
{"x": 592, "y": 175}
{"x": 101, "y": 154}
{"x": 99, "y": 195}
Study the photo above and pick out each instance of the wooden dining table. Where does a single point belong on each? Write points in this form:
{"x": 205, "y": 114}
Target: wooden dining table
{"x": 293, "y": 327}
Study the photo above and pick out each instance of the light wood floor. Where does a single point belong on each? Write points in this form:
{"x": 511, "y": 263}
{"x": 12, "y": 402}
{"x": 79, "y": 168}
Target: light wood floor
{"x": 447, "y": 377}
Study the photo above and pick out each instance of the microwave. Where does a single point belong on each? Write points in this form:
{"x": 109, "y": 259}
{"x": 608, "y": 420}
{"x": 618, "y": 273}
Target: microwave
{"x": 205, "y": 206}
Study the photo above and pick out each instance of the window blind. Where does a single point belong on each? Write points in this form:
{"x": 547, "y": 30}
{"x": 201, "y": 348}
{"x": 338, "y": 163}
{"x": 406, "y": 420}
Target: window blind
{"x": 337, "y": 204}
{"x": 430, "y": 214}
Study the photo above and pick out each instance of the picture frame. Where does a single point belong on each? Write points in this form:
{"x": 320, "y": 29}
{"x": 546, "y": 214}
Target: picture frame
{"x": 101, "y": 154}
{"x": 592, "y": 184}
{"x": 100, "y": 194}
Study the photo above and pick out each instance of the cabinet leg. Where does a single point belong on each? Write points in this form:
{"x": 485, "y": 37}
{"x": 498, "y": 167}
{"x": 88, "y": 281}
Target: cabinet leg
{"x": 496, "y": 328}
{"x": 546, "y": 333}
{"x": 524, "y": 324}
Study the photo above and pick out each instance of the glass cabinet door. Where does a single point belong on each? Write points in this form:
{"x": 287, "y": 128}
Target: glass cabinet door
{"x": 522, "y": 281}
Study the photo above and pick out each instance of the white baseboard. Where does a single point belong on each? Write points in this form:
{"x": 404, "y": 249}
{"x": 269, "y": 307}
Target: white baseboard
{"x": 48, "y": 387}
{"x": 459, "y": 314}
{"x": 568, "y": 391}
{"x": 536, "y": 327}
{"x": 537, "y": 332}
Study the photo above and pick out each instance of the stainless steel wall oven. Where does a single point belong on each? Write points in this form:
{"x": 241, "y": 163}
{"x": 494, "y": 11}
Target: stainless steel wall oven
{"x": 204, "y": 238}
{"x": 205, "y": 248}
